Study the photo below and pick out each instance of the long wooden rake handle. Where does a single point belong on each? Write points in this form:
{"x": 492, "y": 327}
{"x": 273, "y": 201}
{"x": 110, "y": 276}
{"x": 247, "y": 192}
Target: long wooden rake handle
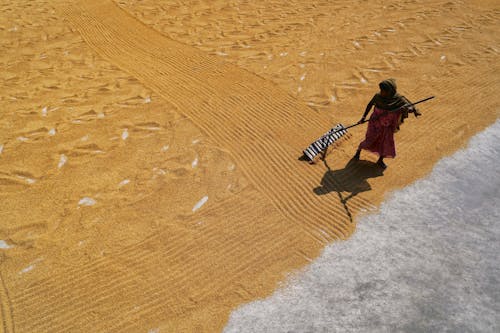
{"x": 312, "y": 150}
{"x": 406, "y": 105}
{"x": 325, "y": 151}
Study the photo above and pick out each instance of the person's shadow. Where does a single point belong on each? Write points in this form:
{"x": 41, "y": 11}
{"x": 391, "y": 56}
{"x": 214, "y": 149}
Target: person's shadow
{"x": 351, "y": 179}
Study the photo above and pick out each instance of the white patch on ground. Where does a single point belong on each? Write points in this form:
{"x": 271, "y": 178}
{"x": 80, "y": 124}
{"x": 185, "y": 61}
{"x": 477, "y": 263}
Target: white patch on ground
{"x": 101, "y": 115}
{"x": 427, "y": 262}
{"x": 52, "y": 132}
{"x": 147, "y": 100}
{"x": 86, "y": 201}
{"x": 27, "y": 179}
{"x": 30, "y": 266}
{"x": 443, "y": 58}
{"x": 303, "y": 53}
{"x": 302, "y": 65}
{"x": 4, "y": 245}
{"x": 194, "y": 163}
{"x": 27, "y": 269}
{"x": 363, "y": 80}
{"x": 158, "y": 172}
{"x": 1, "y": 149}
{"x": 356, "y": 44}
{"x": 44, "y": 112}
{"x": 195, "y": 141}
{"x": 85, "y": 138}
{"x": 200, "y": 203}
{"x": 124, "y": 182}
{"x": 22, "y": 138}
{"x": 154, "y": 330}
{"x": 165, "y": 148}
{"x": 232, "y": 167}
{"x": 303, "y": 77}
{"x": 223, "y": 54}
{"x": 333, "y": 98}
{"x": 62, "y": 160}
{"x": 125, "y": 134}
{"x": 299, "y": 89}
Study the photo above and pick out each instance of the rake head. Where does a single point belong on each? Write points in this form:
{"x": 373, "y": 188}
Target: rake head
{"x": 324, "y": 142}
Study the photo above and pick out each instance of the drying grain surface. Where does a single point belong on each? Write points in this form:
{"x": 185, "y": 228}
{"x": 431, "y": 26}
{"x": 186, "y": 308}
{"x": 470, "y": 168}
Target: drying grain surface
{"x": 148, "y": 150}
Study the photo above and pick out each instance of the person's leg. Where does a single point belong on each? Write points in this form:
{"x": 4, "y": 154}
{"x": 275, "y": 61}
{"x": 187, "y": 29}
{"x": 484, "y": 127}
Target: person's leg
{"x": 381, "y": 163}
{"x": 357, "y": 155}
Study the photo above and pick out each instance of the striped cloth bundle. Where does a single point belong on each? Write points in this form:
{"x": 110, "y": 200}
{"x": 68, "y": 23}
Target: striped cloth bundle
{"x": 325, "y": 141}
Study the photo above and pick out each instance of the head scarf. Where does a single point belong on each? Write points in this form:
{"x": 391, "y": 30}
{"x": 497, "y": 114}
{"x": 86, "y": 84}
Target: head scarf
{"x": 394, "y": 101}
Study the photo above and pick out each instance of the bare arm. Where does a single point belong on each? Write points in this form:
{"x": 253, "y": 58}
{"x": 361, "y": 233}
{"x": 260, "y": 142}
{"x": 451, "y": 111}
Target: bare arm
{"x": 368, "y": 108}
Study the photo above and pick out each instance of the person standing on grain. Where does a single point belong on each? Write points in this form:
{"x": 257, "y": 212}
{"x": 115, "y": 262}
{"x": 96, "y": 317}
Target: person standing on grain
{"x": 390, "y": 111}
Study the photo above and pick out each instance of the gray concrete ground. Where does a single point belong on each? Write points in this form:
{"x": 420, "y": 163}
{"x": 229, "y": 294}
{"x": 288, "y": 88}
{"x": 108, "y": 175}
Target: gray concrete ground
{"x": 427, "y": 262}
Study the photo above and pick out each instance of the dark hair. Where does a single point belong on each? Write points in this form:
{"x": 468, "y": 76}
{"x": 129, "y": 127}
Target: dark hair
{"x": 389, "y": 86}
{"x": 385, "y": 87}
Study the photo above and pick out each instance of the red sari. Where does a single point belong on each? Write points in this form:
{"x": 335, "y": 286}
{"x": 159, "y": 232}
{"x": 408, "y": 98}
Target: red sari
{"x": 380, "y": 133}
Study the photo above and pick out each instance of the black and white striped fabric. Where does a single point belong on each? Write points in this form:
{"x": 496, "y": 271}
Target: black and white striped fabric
{"x": 325, "y": 141}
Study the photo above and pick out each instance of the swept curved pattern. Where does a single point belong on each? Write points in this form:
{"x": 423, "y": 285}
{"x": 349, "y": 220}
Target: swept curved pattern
{"x": 228, "y": 103}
